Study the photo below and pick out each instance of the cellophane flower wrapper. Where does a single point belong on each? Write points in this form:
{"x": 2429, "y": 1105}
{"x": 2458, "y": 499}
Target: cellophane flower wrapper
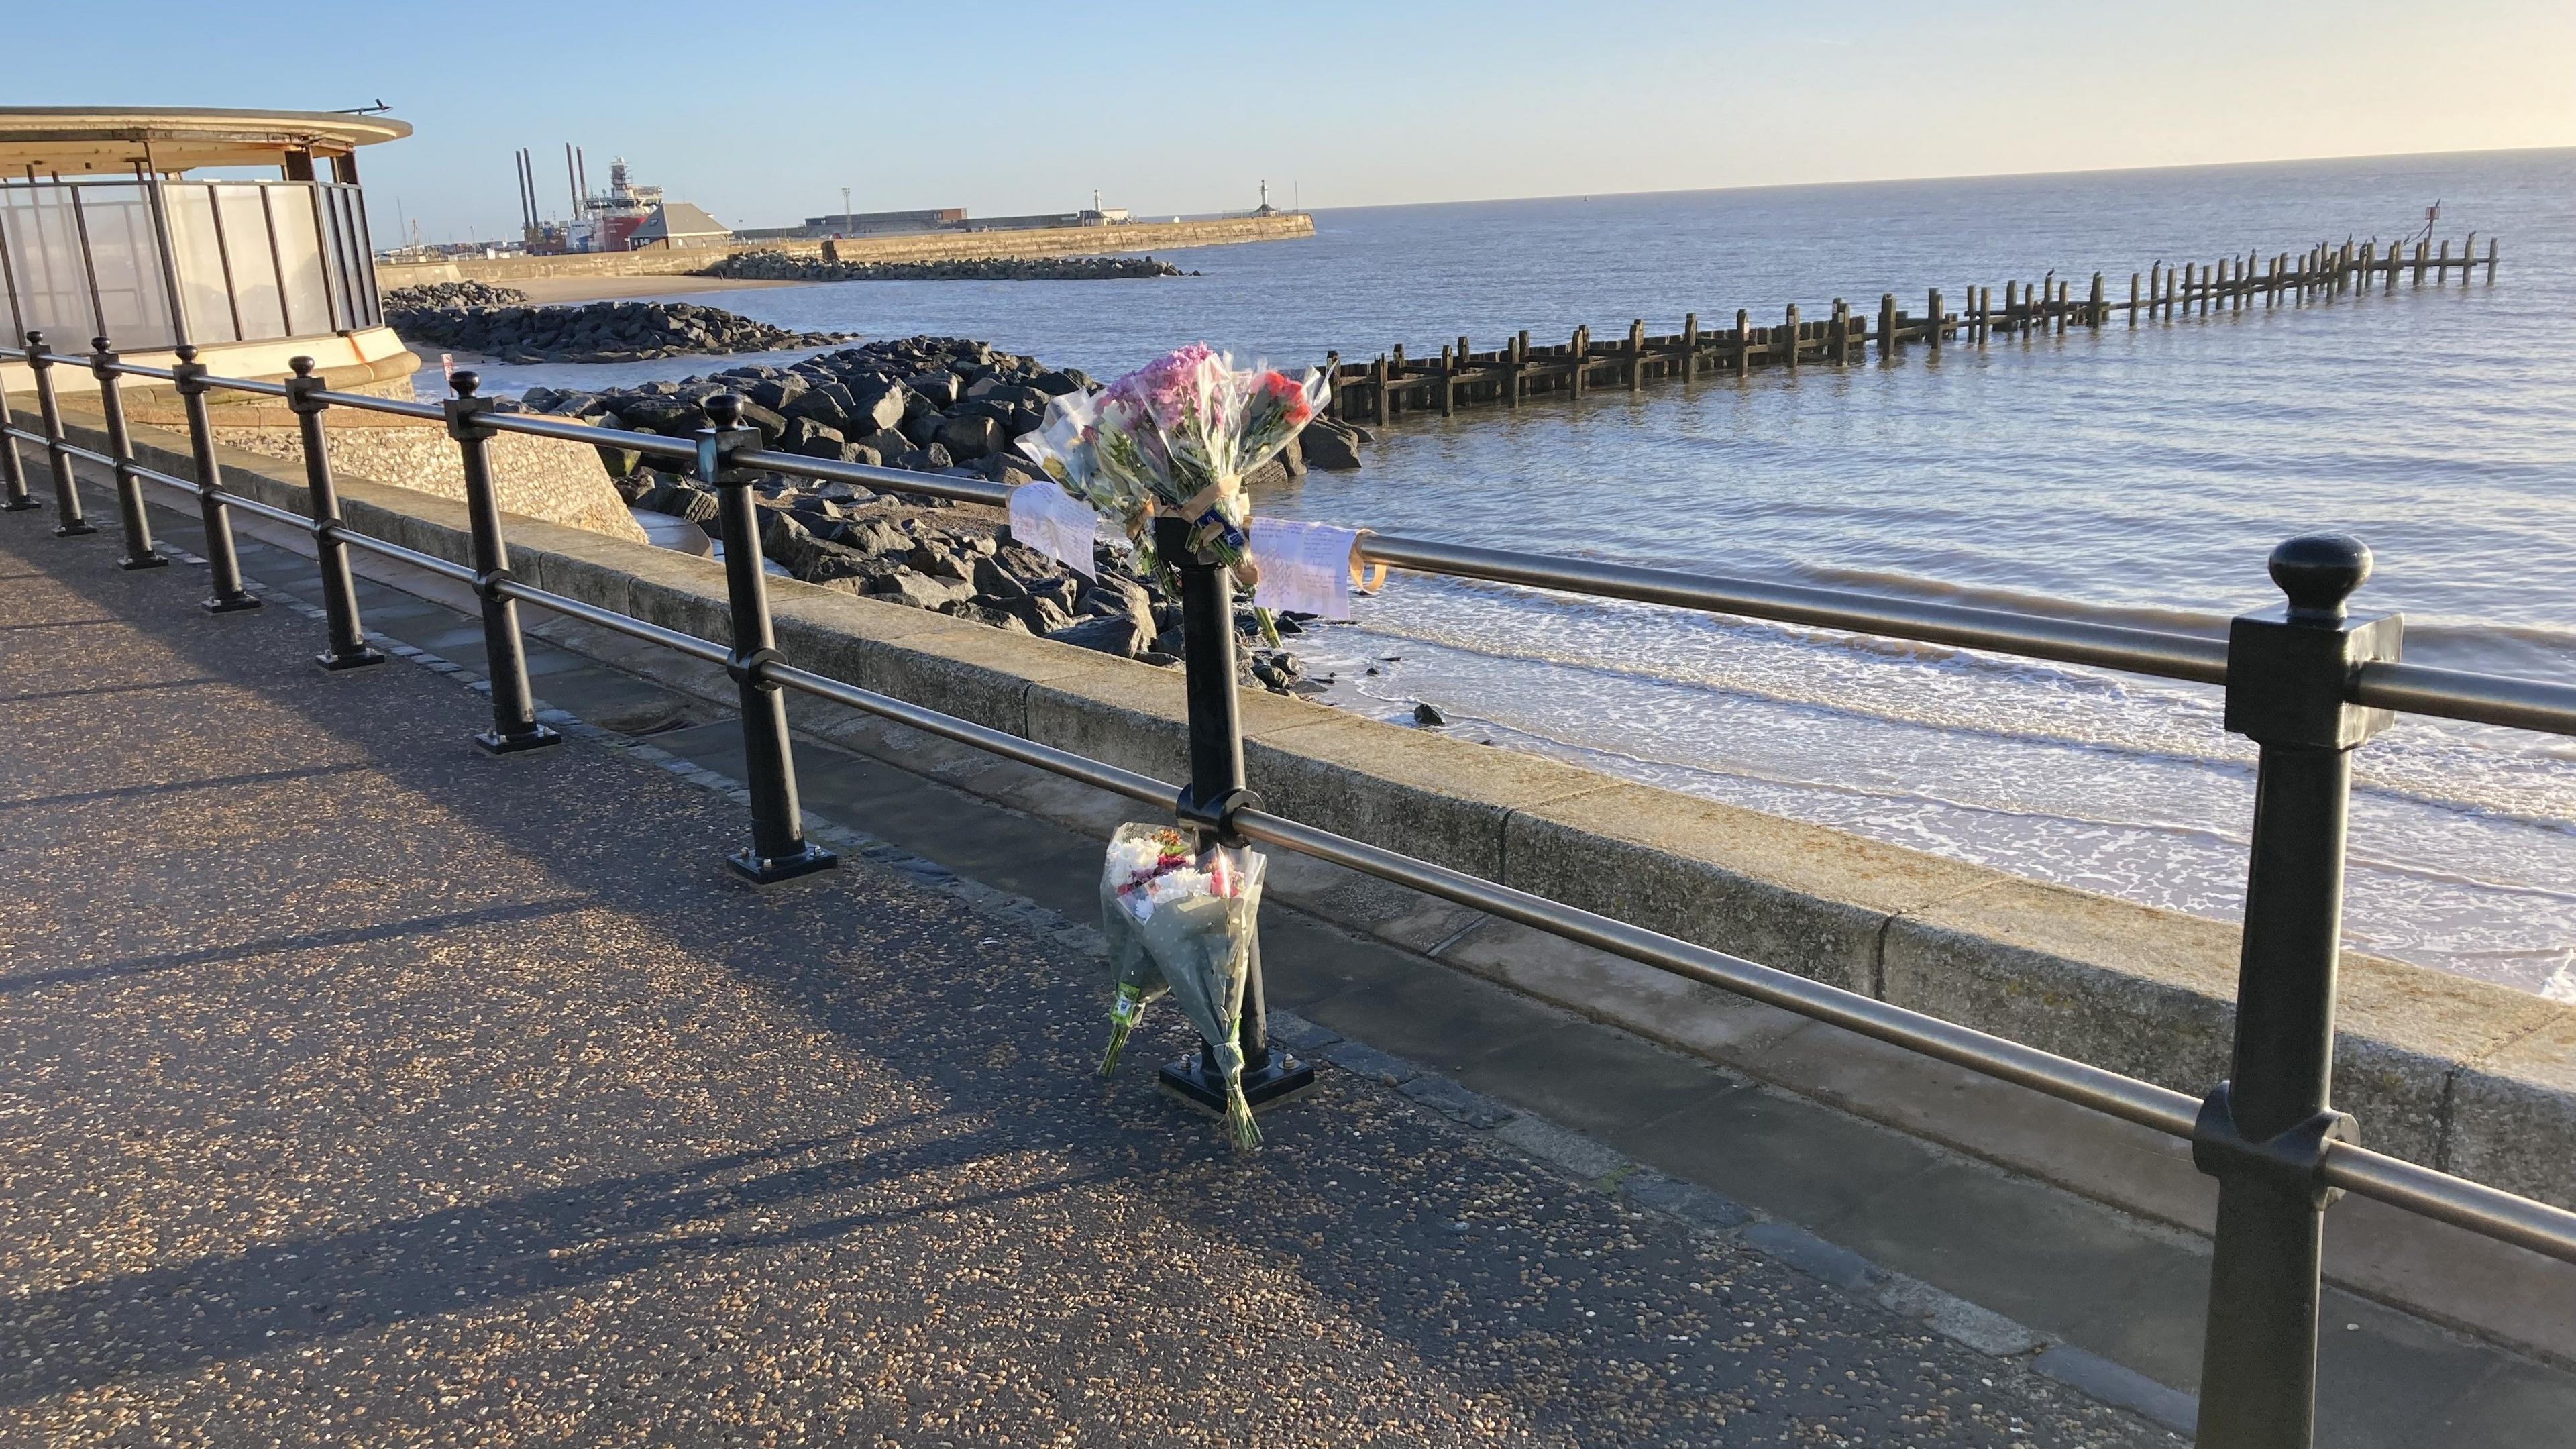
{"x": 1134, "y": 979}
{"x": 1190, "y": 911}
{"x": 1174, "y": 439}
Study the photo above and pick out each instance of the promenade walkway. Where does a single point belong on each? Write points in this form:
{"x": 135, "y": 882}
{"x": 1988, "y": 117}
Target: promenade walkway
{"x": 362, "y": 1088}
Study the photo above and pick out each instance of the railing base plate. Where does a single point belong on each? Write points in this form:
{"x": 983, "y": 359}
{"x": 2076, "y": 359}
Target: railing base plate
{"x": 145, "y": 561}
{"x": 763, "y": 870}
{"x": 232, "y": 606}
{"x": 358, "y": 658}
{"x": 22, "y": 505}
{"x": 73, "y": 530}
{"x": 501, "y": 744}
{"x": 1277, "y": 1080}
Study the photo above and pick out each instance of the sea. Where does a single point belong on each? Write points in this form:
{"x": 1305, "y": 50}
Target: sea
{"x": 2136, "y": 475}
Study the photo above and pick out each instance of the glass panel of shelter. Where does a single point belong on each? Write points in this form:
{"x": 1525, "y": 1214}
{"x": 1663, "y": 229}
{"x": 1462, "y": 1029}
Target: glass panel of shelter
{"x": 199, "y": 245}
{"x": 250, "y": 256}
{"x": 45, "y": 262}
{"x": 299, "y": 251}
{"x": 132, "y": 289}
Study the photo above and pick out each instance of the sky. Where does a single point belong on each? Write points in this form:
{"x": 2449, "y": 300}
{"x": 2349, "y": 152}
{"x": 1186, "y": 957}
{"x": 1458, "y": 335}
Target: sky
{"x": 762, "y": 112}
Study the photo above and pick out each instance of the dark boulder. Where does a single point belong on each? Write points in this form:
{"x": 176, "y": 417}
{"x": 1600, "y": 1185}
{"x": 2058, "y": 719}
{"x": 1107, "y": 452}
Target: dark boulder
{"x": 939, "y": 387}
{"x": 968, "y": 438}
{"x": 1330, "y": 444}
{"x": 877, "y": 406}
{"x": 996, "y": 581}
{"x": 1117, "y": 634}
{"x": 981, "y": 613}
{"x": 813, "y": 439}
{"x": 1039, "y": 615}
{"x": 876, "y": 536}
{"x": 776, "y": 392}
{"x": 770, "y": 422}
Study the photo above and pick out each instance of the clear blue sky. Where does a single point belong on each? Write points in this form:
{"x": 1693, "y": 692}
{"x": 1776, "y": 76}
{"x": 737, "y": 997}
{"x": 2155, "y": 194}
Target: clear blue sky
{"x": 761, "y": 112}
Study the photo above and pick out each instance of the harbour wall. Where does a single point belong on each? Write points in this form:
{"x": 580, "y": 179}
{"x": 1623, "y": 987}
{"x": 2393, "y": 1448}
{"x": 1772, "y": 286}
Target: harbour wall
{"x": 2462, "y": 1075}
{"x": 929, "y": 246}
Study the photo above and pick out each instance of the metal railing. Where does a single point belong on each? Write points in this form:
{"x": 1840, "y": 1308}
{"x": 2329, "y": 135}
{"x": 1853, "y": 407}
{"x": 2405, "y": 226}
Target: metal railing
{"x": 2308, "y": 682}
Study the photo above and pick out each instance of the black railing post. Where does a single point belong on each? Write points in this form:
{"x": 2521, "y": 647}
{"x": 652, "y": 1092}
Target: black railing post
{"x": 120, "y": 446}
{"x": 14, "y": 497}
{"x": 330, "y": 556}
{"x": 68, "y": 521}
{"x": 779, "y": 850}
{"x": 505, "y": 660}
{"x": 1208, "y": 804}
{"x": 223, "y": 566}
{"x": 2263, "y": 1132}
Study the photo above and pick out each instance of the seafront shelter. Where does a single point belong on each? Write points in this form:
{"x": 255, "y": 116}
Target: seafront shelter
{"x": 110, "y": 228}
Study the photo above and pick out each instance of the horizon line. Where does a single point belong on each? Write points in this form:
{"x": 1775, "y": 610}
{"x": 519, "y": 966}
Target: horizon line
{"x": 1945, "y": 176}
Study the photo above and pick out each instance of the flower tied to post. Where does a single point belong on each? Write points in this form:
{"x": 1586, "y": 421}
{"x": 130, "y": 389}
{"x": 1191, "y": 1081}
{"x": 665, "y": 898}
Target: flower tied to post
{"x": 1174, "y": 439}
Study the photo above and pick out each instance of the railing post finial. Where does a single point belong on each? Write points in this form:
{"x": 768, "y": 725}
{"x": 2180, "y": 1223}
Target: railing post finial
{"x": 2317, "y": 572}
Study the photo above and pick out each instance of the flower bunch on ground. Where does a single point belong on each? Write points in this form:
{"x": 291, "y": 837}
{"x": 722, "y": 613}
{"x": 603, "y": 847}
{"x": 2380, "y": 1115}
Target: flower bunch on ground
{"x": 1180, "y": 917}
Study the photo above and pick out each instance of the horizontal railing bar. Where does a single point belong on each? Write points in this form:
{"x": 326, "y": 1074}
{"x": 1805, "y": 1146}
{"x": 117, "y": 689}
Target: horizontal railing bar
{"x": 2127, "y": 1098}
{"x": 169, "y": 480}
{"x": 2140, "y": 651}
{"x": 136, "y": 369}
{"x": 894, "y": 480}
{"x": 2529, "y": 704}
{"x": 1142, "y": 788}
{"x": 633, "y": 628}
{"x": 104, "y": 460}
{"x": 250, "y": 385}
{"x": 445, "y": 568}
{"x": 2488, "y": 1211}
{"x": 270, "y": 511}
{"x": 429, "y": 412}
{"x": 542, "y": 426}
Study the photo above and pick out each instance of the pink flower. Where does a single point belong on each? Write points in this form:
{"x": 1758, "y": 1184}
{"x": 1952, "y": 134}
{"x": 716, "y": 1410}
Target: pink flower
{"x": 1170, "y": 387}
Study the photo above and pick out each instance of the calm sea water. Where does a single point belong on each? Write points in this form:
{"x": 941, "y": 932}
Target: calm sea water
{"x": 2138, "y": 475}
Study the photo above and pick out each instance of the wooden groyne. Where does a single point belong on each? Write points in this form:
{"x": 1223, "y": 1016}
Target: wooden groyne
{"x": 1460, "y": 377}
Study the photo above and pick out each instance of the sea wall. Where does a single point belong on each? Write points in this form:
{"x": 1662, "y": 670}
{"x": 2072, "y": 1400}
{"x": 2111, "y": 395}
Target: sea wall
{"x": 899, "y": 247}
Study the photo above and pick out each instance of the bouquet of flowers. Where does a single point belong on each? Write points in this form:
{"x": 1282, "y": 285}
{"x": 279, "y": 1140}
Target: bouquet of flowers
{"x": 1173, "y": 439}
{"x": 1187, "y": 911}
